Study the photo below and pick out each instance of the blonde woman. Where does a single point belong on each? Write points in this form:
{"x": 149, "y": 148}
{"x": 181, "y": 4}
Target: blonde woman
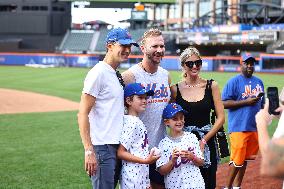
{"x": 198, "y": 96}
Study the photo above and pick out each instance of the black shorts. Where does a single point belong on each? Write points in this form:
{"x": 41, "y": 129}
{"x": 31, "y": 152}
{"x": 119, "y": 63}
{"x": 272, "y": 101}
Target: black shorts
{"x": 155, "y": 176}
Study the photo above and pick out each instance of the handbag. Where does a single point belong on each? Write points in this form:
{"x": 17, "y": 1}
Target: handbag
{"x": 222, "y": 143}
{"x": 221, "y": 137}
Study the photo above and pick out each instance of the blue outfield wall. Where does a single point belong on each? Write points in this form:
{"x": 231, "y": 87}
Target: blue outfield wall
{"x": 267, "y": 62}
{"x": 48, "y": 59}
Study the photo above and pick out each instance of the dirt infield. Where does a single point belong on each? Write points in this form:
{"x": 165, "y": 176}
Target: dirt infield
{"x": 13, "y": 101}
{"x": 252, "y": 178}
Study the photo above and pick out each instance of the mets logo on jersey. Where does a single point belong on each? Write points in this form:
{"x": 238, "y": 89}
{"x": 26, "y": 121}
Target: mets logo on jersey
{"x": 252, "y": 92}
{"x": 145, "y": 140}
{"x": 161, "y": 92}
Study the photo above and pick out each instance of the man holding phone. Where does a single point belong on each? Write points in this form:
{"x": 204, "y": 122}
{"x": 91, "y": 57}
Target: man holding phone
{"x": 243, "y": 97}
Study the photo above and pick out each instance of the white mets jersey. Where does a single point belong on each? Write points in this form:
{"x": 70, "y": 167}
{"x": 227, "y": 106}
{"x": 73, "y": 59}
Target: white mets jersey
{"x": 184, "y": 175}
{"x": 134, "y": 139}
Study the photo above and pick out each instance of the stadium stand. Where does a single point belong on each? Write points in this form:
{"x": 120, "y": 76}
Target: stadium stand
{"x": 77, "y": 41}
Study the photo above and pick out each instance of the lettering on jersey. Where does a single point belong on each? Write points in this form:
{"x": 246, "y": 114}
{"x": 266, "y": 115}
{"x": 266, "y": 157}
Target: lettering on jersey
{"x": 251, "y": 92}
{"x": 182, "y": 160}
{"x": 145, "y": 140}
{"x": 161, "y": 93}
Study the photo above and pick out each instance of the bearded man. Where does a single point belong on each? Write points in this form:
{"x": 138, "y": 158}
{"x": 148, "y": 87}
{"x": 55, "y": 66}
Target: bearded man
{"x": 153, "y": 77}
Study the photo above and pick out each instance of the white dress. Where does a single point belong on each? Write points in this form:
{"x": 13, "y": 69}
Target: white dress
{"x": 185, "y": 175}
{"x": 134, "y": 139}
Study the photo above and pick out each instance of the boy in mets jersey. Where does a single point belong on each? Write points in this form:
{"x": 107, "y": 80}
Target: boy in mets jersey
{"x": 133, "y": 148}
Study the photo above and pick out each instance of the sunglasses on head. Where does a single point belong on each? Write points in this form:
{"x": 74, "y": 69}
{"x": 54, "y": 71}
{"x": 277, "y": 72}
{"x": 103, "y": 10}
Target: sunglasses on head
{"x": 190, "y": 64}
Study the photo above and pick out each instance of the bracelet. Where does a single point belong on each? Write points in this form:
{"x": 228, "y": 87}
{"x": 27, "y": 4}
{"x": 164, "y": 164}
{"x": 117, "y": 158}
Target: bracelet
{"x": 88, "y": 152}
{"x": 203, "y": 141}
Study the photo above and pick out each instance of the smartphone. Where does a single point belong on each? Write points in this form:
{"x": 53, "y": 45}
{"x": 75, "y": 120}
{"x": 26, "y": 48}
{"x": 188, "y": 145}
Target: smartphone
{"x": 272, "y": 95}
{"x": 260, "y": 94}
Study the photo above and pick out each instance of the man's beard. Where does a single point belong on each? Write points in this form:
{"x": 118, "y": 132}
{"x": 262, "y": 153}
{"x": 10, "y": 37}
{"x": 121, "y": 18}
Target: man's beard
{"x": 152, "y": 59}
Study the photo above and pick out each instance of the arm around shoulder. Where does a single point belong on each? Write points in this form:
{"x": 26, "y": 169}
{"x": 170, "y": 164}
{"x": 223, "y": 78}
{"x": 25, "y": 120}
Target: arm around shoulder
{"x": 173, "y": 89}
{"x": 128, "y": 77}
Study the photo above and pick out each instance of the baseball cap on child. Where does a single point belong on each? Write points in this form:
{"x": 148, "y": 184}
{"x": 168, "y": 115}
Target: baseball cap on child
{"x": 120, "y": 35}
{"x": 171, "y": 110}
{"x": 136, "y": 89}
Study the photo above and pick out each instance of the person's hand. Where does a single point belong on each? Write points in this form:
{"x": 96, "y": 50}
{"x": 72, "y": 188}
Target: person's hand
{"x": 91, "y": 164}
{"x": 279, "y": 109}
{"x": 185, "y": 154}
{"x": 175, "y": 155}
{"x": 263, "y": 118}
{"x": 152, "y": 158}
{"x": 252, "y": 100}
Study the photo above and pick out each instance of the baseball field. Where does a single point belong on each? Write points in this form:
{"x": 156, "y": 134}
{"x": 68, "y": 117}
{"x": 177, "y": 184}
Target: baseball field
{"x": 43, "y": 150}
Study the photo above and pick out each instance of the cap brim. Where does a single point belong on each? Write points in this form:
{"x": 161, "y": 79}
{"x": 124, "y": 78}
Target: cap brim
{"x": 150, "y": 93}
{"x": 174, "y": 113}
{"x": 144, "y": 91}
{"x": 128, "y": 42}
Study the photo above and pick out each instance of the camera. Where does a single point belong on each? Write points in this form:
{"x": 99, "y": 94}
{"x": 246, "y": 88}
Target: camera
{"x": 272, "y": 95}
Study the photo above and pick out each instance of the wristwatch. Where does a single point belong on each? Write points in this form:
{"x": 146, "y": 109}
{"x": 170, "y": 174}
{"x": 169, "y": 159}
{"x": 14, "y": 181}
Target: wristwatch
{"x": 88, "y": 152}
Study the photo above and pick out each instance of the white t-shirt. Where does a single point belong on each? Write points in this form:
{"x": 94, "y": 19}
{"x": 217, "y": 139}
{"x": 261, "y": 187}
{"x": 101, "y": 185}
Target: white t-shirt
{"x": 134, "y": 139}
{"x": 184, "y": 174}
{"x": 106, "y": 117}
{"x": 152, "y": 117}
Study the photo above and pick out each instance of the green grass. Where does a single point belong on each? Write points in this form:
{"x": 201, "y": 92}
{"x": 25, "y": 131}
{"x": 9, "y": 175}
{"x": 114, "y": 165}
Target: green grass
{"x": 44, "y": 150}
{"x": 41, "y": 150}
{"x": 62, "y": 82}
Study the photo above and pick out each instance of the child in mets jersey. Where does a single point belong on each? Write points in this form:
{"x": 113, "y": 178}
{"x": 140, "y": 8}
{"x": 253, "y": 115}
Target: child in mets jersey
{"x": 133, "y": 148}
{"x": 180, "y": 153}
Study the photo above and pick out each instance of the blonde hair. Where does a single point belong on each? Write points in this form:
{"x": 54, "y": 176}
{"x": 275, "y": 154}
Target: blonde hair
{"x": 150, "y": 33}
{"x": 188, "y": 52}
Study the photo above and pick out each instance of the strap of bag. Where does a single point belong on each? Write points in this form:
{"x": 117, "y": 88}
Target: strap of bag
{"x": 213, "y": 114}
{"x": 209, "y": 88}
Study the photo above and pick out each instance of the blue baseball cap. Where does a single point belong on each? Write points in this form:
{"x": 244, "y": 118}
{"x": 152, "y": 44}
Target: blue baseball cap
{"x": 171, "y": 110}
{"x": 136, "y": 89}
{"x": 247, "y": 57}
{"x": 120, "y": 35}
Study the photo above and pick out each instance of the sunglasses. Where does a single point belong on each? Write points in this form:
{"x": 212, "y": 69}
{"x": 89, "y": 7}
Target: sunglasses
{"x": 119, "y": 77}
{"x": 190, "y": 64}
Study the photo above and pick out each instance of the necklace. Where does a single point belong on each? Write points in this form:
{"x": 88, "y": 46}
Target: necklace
{"x": 143, "y": 67}
{"x": 191, "y": 86}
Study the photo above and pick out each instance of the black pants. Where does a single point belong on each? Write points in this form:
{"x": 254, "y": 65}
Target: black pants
{"x": 209, "y": 174}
